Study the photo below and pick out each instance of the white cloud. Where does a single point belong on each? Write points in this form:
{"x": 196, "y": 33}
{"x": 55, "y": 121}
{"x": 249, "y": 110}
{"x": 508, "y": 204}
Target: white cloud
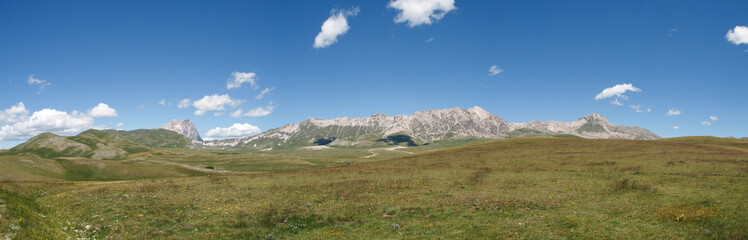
{"x": 649, "y": 109}
{"x": 102, "y": 111}
{"x": 162, "y": 102}
{"x": 239, "y": 78}
{"x": 713, "y": 118}
{"x": 184, "y": 103}
{"x": 215, "y": 103}
{"x": 418, "y": 12}
{"x": 120, "y": 124}
{"x": 264, "y": 92}
{"x": 676, "y": 127}
{"x": 738, "y": 35}
{"x": 494, "y": 70}
{"x": 257, "y": 112}
{"x": 35, "y": 81}
{"x": 636, "y": 108}
{"x": 673, "y": 112}
{"x": 429, "y": 40}
{"x": 705, "y": 123}
{"x": 617, "y": 91}
{"x": 236, "y": 130}
{"x": 671, "y": 31}
{"x": 13, "y": 114}
{"x": 140, "y": 107}
{"x": 616, "y": 102}
{"x": 334, "y": 26}
{"x": 46, "y": 120}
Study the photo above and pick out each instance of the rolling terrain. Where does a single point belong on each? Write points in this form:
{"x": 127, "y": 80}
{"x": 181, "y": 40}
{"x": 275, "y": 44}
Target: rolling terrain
{"x": 518, "y": 188}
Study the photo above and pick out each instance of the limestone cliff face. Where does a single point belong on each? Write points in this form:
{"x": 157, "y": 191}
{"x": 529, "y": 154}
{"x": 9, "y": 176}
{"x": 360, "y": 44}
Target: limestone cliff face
{"x": 184, "y": 127}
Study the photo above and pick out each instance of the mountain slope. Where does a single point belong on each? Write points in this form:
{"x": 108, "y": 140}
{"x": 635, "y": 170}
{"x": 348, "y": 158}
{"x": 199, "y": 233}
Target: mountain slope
{"x": 424, "y": 127}
{"x": 49, "y": 145}
{"x": 184, "y": 127}
{"x": 90, "y": 144}
{"x": 155, "y": 138}
{"x": 590, "y": 126}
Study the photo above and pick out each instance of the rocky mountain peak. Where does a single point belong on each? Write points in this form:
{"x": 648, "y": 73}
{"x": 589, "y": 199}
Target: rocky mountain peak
{"x": 596, "y": 118}
{"x": 184, "y": 127}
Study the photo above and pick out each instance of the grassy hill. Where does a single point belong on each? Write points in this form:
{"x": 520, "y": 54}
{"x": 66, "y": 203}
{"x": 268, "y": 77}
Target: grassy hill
{"x": 155, "y": 138}
{"x": 522, "y": 188}
{"x": 90, "y": 144}
{"x": 713, "y": 141}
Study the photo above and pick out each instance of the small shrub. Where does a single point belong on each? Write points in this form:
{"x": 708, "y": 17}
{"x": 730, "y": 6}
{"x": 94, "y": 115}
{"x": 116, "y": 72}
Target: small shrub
{"x": 629, "y": 185}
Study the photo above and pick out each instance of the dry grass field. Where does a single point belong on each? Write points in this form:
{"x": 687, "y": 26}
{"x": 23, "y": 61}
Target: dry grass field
{"x": 524, "y": 188}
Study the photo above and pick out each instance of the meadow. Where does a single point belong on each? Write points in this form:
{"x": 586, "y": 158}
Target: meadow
{"x": 522, "y": 188}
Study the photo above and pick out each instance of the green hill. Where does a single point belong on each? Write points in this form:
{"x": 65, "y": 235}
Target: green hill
{"x": 155, "y": 138}
{"x": 101, "y": 144}
{"x": 49, "y": 145}
{"x": 89, "y": 144}
{"x": 713, "y": 141}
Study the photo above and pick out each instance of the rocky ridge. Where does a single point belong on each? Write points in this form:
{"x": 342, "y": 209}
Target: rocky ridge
{"x": 428, "y": 126}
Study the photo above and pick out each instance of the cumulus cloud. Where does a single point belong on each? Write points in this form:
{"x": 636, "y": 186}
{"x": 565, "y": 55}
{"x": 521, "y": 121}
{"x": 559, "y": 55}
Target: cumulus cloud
{"x": 637, "y": 108}
{"x": 46, "y": 120}
{"x": 215, "y": 103}
{"x": 257, "y": 112}
{"x": 418, "y": 12}
{"x": 13, "y": 114}
{"x": 264, "y": 92}
{"x": 120, "y": 124}
{"x": 706, "y": 123}
{"x": 738, "y": 35}
{"x": 676, "y": 127}
{"x": 239, "y": 78}
{"x": 102, "y": 111}
{"x": 162, "y": 102}
{"x": 617, "y": 91}
{"x": 42, "y": 84}
{"x": 334, "y": 26}
{"x": 713, "y": 118}
{"x": 616, "y": 102}
{"x": 184, "y": 103}
{"x": 494, "y": 70}
{"x": 673, "y": 112}
{"x": 236, "y": 130}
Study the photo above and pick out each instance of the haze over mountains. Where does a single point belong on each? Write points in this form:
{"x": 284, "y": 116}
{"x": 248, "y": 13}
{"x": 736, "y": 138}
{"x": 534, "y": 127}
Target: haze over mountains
{"x": 425, "y": 127}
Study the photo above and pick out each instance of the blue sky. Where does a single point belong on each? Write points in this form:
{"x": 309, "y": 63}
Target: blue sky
{"x": 556, "y": 57}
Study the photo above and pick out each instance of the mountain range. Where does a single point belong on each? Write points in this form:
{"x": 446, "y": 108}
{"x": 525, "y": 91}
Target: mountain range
{"x": 420, "y": 128}
{"x": 425, "y": 127}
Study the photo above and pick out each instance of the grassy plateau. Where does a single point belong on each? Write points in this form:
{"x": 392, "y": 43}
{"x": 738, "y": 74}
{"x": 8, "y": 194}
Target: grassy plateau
{"x": 518, "y": 188}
